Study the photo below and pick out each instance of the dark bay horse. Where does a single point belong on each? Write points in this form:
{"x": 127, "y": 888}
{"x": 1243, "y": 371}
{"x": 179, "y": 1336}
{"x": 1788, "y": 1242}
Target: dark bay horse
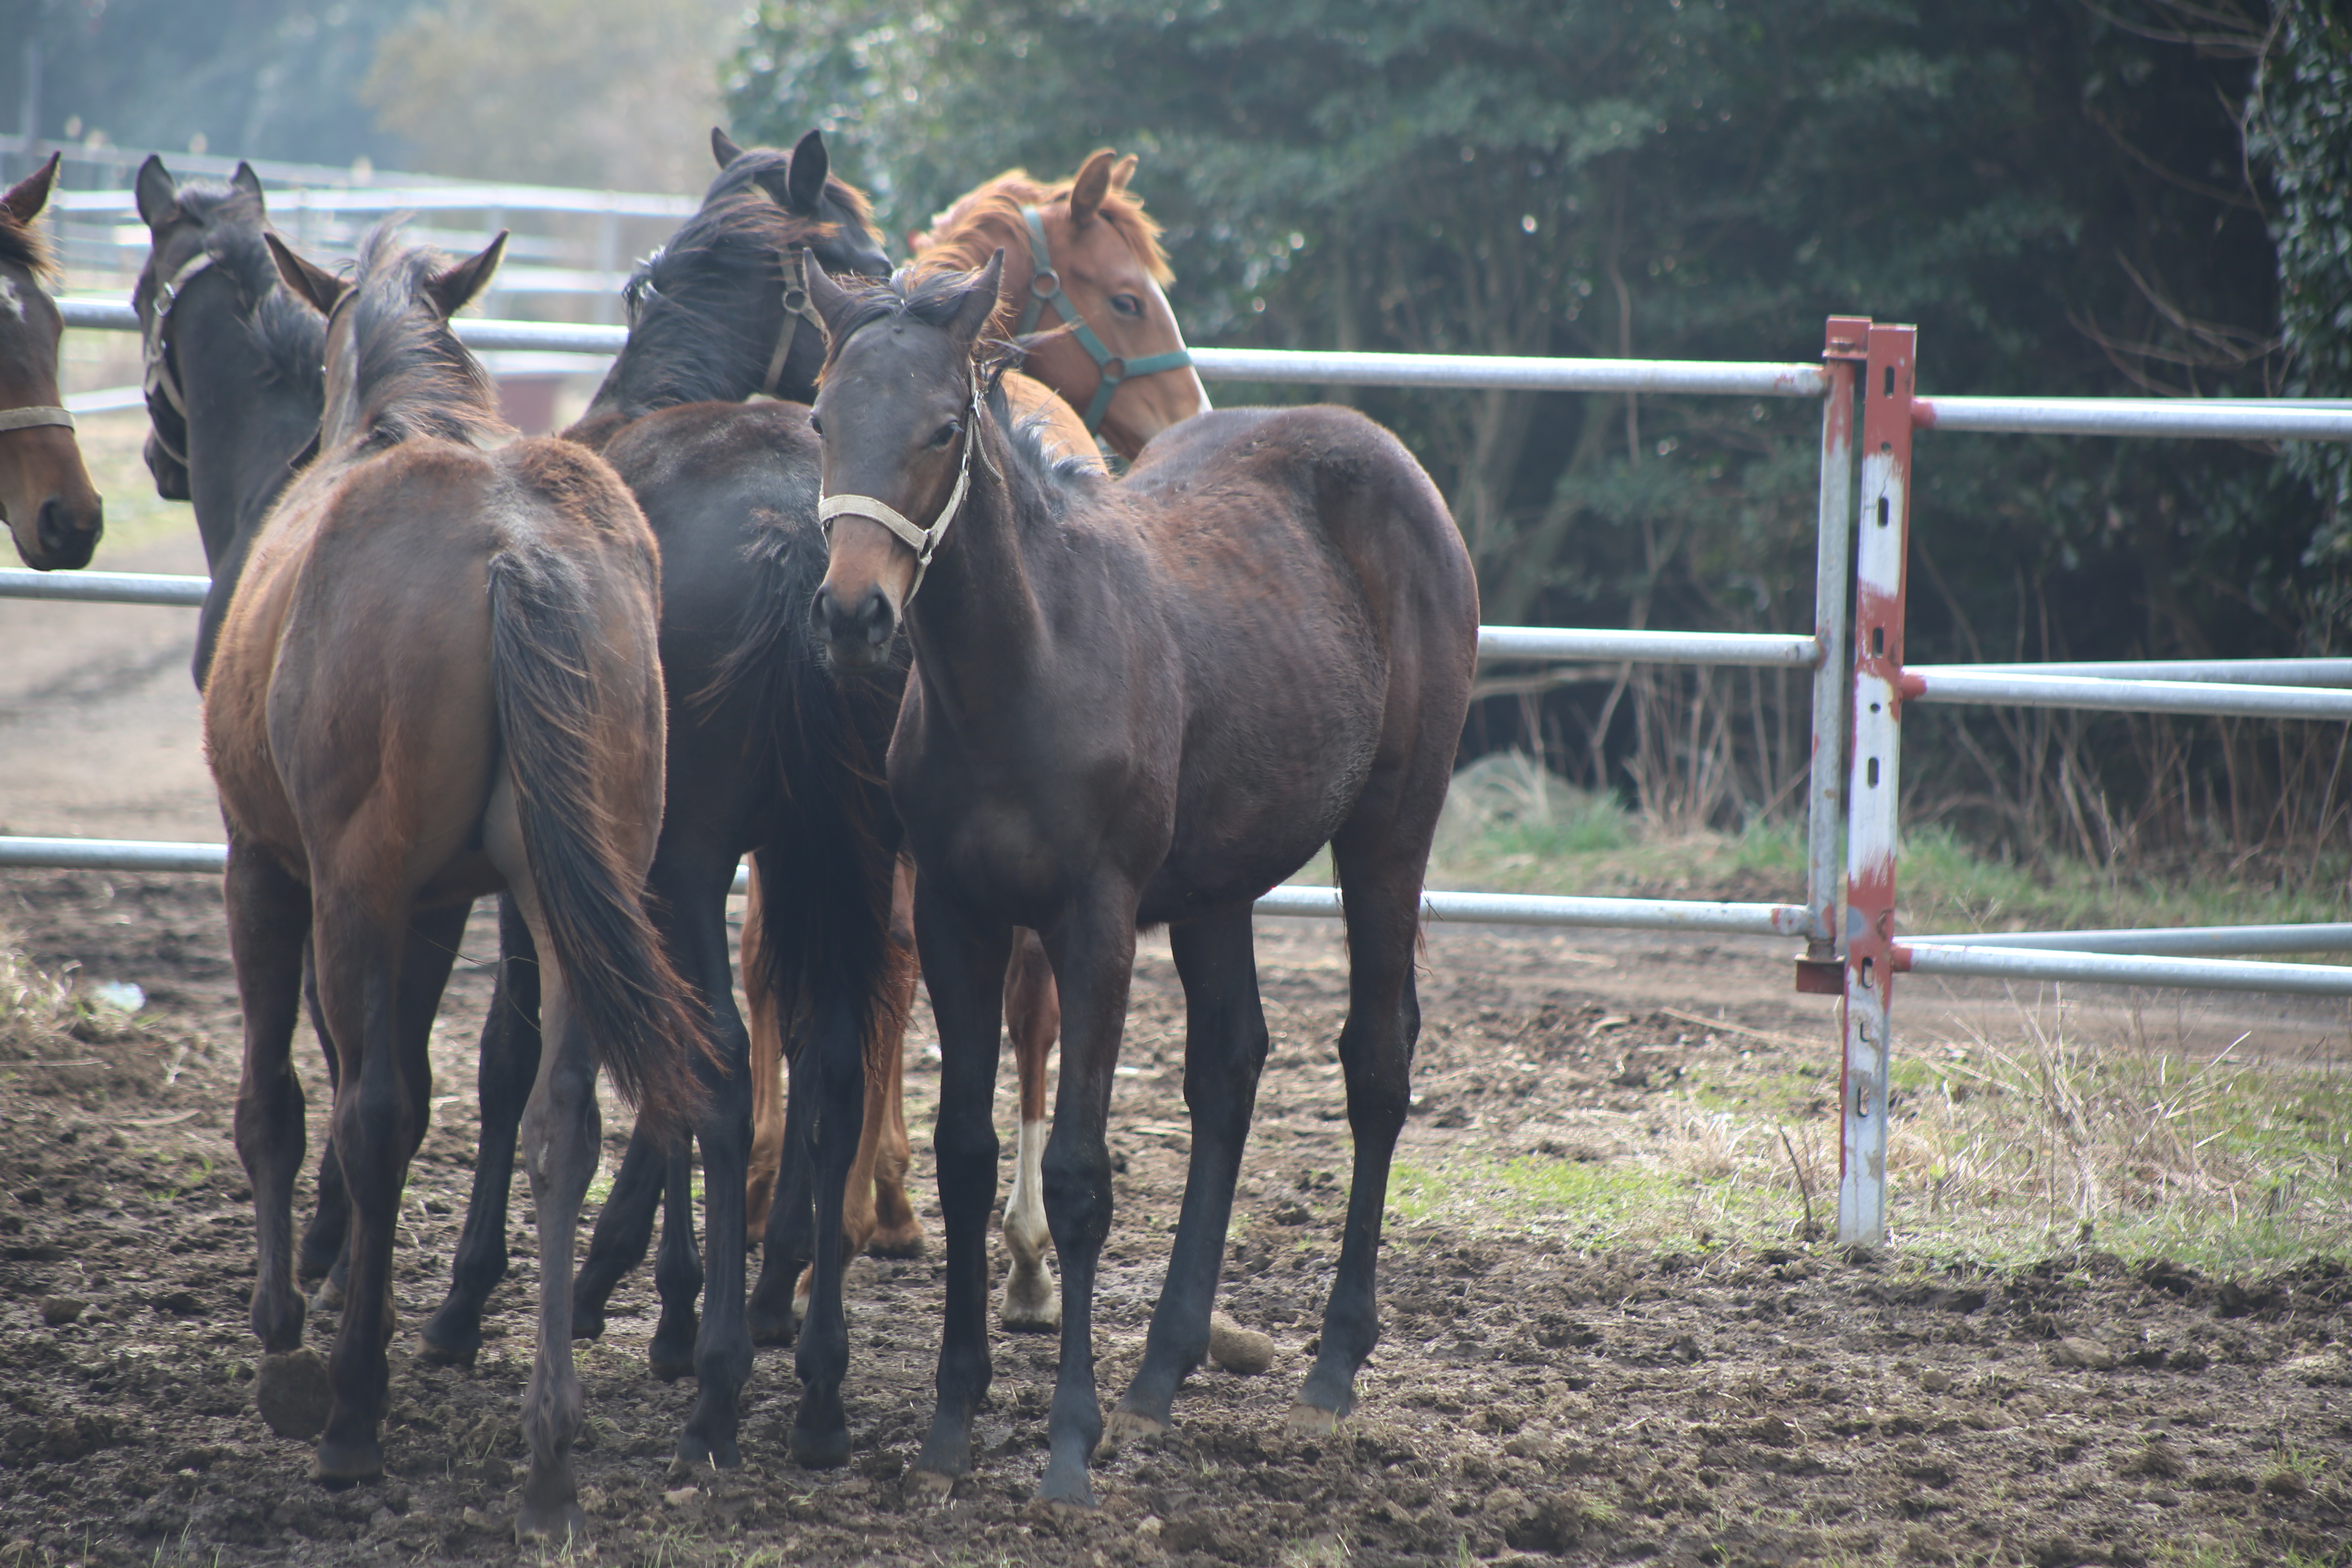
{"x": 438, "y": 679}
{"x": 1138, "y": 703}
{"x": 45, "y": 495}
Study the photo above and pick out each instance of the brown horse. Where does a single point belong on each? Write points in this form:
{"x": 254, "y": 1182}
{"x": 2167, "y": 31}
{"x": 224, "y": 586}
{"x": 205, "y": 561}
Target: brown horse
{"x": 437, "y": 679}
{"x": 44, "y": 492}
{"x": 1134, "y": 704}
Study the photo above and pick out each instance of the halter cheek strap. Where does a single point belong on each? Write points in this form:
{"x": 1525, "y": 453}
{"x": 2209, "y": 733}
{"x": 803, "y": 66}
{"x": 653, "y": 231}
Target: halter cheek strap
{"x": 923, "y": 541}
{"x": 155, "y": 349}
{"x": 798, "y": 307}
{"x": 1045, "y": 289}
{"x": 31, "y": 417}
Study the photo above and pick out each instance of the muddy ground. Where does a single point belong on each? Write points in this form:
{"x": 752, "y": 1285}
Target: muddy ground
{"x": 1532, "y": 1399}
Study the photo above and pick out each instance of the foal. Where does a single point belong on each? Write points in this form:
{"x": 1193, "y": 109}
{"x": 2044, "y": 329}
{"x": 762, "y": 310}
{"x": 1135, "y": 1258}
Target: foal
{"x": 1135, "y": 704}
{"x": 44, "y": 492}
{"x": 437, "y": 679}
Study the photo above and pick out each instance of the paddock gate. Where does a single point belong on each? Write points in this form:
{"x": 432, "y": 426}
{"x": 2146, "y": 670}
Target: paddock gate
{"x": 1867, "y": 385}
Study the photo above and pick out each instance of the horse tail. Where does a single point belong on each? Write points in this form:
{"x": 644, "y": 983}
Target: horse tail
{"x": 826, "y": 876}
{"x": 644, "y": 1024}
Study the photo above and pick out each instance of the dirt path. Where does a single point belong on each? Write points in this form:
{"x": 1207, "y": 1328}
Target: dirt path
{"x": 1546, "y": 1388}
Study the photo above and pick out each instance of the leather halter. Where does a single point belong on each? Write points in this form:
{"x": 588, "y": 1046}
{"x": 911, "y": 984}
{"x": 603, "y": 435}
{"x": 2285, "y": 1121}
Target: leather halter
{"x": 923, "y": 541}
{"x": 1045, "y": 289}
{"x": 155, "y": 348}
{"x": 798, "y": 307}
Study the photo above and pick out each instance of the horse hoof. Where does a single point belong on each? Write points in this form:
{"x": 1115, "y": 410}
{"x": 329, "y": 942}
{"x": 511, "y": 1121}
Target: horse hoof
{"x": 1126, "y": 1427}
{"x": 694, "y": 1452}
{"x": 329, "y": 1298}
{"x": 903, "y": 1241}
{"x": 1066, "y": 1489}
{"x": 670, "y": 1363}
{"x": 769, "y": 1326}
{"x": 929, "y": 1485}
{"x": 1306, "y": 1420}
{"x": 343, "y": 1462}
{"x": 1031, "y": 1319}
{"x": 561, "y": 1522}
{"x": 587, "y": 1323}
{"x": 443, "y": 1344}
{"x": 818, "y": 1450}
{"x": 293, "y": 1393}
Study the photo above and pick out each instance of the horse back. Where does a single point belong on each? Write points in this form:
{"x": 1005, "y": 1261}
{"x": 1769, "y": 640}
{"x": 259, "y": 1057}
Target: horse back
{"x": 354, "y": 683}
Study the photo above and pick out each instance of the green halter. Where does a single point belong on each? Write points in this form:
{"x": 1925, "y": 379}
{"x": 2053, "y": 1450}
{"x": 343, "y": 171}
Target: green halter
{"x": 1045, "y": 289}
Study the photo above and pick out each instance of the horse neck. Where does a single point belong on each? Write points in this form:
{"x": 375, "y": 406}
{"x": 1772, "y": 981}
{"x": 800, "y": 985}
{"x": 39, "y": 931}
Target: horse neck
{"x": 978, "y": 628}
{"x": 664, "y": 366}
{"x": 247, "y": 432}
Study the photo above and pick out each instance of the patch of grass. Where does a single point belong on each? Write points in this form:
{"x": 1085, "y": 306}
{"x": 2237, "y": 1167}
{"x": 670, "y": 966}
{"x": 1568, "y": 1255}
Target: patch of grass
{"x": 1511, "y": 827}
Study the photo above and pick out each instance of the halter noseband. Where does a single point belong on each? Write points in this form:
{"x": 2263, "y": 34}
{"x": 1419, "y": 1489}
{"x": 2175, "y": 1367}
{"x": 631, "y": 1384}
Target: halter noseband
{"x": 32, "y": 417}
{"x": 1045, "y": 289}
{"x": 923, "y": 541}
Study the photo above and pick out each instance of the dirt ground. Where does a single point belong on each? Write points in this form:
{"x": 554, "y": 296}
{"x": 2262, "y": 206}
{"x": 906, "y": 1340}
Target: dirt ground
{"x": 1537, "y": 1395}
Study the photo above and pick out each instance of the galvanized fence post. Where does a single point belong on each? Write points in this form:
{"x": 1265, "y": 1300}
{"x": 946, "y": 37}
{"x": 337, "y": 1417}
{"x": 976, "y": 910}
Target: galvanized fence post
{"x": 1880, "y": 556}
{"x": 1818, "y": 970}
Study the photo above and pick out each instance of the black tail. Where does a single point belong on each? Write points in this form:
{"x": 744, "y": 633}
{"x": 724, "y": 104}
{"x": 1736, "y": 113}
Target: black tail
{"x": 645, "y": 1022}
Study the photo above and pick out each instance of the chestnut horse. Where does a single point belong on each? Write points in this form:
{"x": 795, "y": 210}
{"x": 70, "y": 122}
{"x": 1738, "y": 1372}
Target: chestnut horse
{"x": 437, "y": 679}
{"x": 1133, "y": 704}
{"x": 44, "y": 492}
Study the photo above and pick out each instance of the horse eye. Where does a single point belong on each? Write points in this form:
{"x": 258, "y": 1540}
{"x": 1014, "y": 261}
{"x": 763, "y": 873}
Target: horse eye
{"x": 947, "y": 433}
{"x": 1127, "y": 304}
{"x": 815, "y": 428}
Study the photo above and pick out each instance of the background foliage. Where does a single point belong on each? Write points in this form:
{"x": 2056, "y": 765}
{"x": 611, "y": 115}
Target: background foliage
{"x": 2060, "y": 196}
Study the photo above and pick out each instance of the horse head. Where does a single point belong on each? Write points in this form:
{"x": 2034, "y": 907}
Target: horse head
{"x": 395, "y": 371}
{"x": 904, "y": 395}
{"x": 1083, "y": 293}
{"x": 45, "y": 491}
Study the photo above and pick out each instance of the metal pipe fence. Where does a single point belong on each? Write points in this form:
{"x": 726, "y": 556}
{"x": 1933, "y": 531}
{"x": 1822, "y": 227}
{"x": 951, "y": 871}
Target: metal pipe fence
{"x": 1852, "y": 952}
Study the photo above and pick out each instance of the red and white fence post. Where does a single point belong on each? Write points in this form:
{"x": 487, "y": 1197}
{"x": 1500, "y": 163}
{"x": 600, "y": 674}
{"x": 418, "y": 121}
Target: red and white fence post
{"x": 1880, "y": 555}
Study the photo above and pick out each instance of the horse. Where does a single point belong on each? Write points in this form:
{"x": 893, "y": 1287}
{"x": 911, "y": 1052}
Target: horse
{"x": 1122, "y": 356}
{"x": 1137, "y": 704}
{"x": 46, "y": 496}
{"x": 438, "y": 679}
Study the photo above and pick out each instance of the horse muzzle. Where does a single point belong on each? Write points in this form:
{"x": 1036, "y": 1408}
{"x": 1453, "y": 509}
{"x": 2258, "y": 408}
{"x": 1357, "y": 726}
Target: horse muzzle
{"x": 64, "y": 534}
{"x": 856, "y": 628}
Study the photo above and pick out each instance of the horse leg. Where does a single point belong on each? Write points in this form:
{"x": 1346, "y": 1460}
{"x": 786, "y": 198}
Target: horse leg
{"x": 323, "y": 1239}
{"x": 788, "y": 1244}
{"x": 677, "y": 1270}
{"x": 691, "y": 902}
{"x": 1225, "y": 1050}
{"x": 1033, "y": 1014}
{"x": 1380, "y": 866}
{"x": 268, "y": 925}
{"x": 1094, "y": 962}
{"x": 503, "y": 1075}
{"x": 379, "y": 984}
{"x": 837, "y": 1075}
{"x": 767, "y": 1071}
{"x": 897, "y": 1233}
{"x": 623, "y": 1231}
{"x": 963, "y": 970}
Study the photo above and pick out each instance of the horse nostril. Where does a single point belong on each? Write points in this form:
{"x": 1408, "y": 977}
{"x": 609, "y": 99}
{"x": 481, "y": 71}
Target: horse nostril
{"x": 877, "y": 619}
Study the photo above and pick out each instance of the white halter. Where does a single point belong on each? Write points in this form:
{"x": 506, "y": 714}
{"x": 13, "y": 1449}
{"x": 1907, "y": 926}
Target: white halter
{"x": 29, "y": 418}
{"x": 923, "y": 541}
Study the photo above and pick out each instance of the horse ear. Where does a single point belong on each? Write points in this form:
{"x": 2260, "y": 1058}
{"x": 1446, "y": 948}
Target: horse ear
{"x": 804, "y": 184}
{"x": 1093, "y": 183}
{"x": 159, "y": 194}
{"x": 454, "y": 290}
{"x": 1123, "y": 172}
{"x": 979, "y": 302}
{"x": 316, "y": 284}
{"x": 27, "y": 199}
{"x": 246, "y": 180}
{"x": 723, "y": 148}
{"x": 829, "y": 297}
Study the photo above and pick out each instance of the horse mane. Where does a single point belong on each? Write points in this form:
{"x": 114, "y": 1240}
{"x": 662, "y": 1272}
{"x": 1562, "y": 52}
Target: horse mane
{"x": 739, "y": 234}
{"x": 963, "y": 237}
{"x": 413, "y": 379}
{"x": 291, "y": 336}
{"x": 22, "y": 245}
